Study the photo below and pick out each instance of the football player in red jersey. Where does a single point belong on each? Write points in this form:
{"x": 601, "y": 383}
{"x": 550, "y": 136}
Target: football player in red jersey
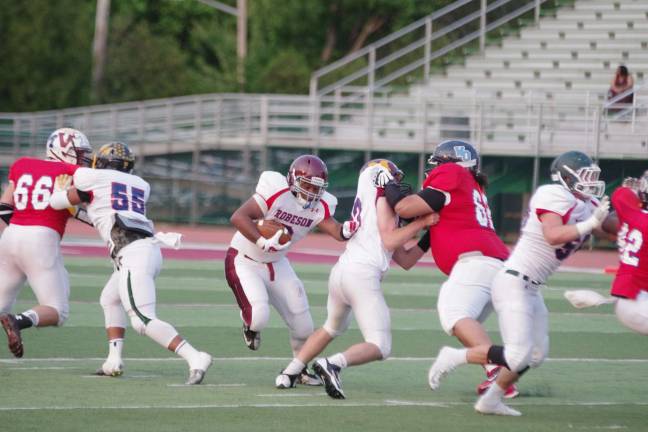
{"x": 464, "y": 243}
{"x": 30, "y": 245}
{"x": 630, "y": 286}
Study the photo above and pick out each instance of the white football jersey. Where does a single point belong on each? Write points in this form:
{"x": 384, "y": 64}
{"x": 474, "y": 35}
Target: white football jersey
{"x": 366, "y": 248}
{"x": 533, "y": 255}
{"x": 113, "y": 192}
{"x": 277, "y": 202}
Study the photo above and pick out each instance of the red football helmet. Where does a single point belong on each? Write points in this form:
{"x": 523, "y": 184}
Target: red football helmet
{"x": 308, "y": 179}
{"x": 391, "y": 166}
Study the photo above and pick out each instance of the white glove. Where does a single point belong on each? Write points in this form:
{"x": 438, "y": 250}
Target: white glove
{"x": 597, "y": 218}
{"x": 62, "y": 182}
{"x": 380, "y": 176}
{"x": 349, "y": 228}
{"x": 272, "y": 244}
{"x": 586, "y": 298}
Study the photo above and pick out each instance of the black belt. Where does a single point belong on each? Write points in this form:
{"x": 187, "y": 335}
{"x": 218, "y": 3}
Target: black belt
{"x": 523, "y": 276}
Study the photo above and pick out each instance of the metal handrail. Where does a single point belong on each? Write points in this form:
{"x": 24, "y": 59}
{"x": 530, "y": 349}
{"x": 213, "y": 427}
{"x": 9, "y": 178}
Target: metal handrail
{"x": 407, "y": 124}
{"x": 369, "y": 70}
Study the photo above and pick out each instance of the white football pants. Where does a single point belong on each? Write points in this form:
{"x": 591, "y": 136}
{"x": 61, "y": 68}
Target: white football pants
{"x": 131, "y": 288}
{"x": 634, "y": 313}
{"x": 257, "y": 285}
{"x": 33, "y": 253}
{"x": 356, "y": 288}
{"x": 523, "y": 320}
{"x": 467, "y": 292}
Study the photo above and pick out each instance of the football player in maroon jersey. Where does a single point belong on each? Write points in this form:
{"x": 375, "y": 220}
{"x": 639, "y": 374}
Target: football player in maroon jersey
{"x": 30, "y": 245}
{"x": 257, "y": 269}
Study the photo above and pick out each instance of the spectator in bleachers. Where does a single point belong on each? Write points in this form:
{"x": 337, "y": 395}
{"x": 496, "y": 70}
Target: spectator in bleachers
{"x": 621, "y": 82}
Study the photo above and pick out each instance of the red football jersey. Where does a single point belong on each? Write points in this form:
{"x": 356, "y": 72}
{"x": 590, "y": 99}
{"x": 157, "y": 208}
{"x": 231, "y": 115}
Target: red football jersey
{"x": 632, "y": 276}
{"x": 465, "y": 224}
{"x": 33, "y": 181}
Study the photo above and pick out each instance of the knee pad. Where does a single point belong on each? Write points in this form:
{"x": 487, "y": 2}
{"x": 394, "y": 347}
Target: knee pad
{"x": 517, "y": 357}
{"x": 138, "y": 325}
{"x": 383, "y": 341}
{"x": 332, "y": 330}
{"x": 260, "y": 316}
{"x": 301, "y": 326}
{"x": 63, "y": 314}
{"x": 539, "y": 354}
{"x": 140, "y": 318}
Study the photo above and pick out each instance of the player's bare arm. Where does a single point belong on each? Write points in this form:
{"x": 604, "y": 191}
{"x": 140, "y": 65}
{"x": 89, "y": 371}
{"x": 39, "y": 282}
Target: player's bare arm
{"x": 422, "y": 203}
{"x": 391, "y": 235}
{"x": 556, "y": 232}
{"x": 339, "y": 231}
{"x": 7, "y": 203}
{"x": 244, "y": 219}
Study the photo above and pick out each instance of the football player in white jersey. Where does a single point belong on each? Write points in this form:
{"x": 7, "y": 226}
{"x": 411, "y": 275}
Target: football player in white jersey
{"x": 116, "y": 204}
{"x": 354, "y": 283}
{"x": 257, "y": 269}
{"x": 561, "y": 218}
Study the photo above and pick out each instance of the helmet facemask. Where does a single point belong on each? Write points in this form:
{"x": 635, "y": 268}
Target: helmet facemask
{"x": 584, "y": 182}
{"x": 308, "y": 190}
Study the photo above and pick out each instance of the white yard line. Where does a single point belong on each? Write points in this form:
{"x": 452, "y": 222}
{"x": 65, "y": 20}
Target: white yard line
{"x": 253, "y": 359}
{"x": 207, "y": 385}
{"x": 340, "y": 404}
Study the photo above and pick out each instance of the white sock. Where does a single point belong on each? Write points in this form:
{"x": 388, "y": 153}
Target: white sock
{"x": 294, "y": 367}
{"x": 338, "y": 360}
{"x": 115, "y": 348}
{"x": 459, "y": 356}
{"x": 186, "y": 351}
{"x": 495, "y": 393}
{"x": 33, "y": 316}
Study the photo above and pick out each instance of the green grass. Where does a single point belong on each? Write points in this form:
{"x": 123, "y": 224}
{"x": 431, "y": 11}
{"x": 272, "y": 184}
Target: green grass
{"x": 53, "y": 389}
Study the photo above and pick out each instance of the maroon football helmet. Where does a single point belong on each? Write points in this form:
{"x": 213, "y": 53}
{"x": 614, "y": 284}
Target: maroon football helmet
{"x": 391, "y": 166}
{"x": 308, "y": 179}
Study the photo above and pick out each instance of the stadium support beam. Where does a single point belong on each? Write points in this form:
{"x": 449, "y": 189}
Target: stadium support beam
{"x": 240, "y": 12}
{"x": 99, "y": 47}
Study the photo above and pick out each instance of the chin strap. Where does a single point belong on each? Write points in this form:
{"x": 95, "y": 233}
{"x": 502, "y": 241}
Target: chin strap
{"x": 6, "y": 211}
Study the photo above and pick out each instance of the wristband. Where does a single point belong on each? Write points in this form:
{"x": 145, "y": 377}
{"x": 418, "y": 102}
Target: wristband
{"x": 424, "y": 241}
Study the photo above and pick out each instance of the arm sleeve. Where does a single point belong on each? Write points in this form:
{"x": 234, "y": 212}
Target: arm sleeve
{"x": 435, "y": 199}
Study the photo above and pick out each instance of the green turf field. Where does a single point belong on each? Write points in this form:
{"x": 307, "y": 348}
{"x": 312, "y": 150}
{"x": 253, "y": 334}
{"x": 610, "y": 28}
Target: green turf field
{"x": 596, "y": 378}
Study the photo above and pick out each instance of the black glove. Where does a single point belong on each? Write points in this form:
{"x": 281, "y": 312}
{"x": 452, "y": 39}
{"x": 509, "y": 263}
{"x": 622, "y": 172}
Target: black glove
{"x": 394, "y": 192}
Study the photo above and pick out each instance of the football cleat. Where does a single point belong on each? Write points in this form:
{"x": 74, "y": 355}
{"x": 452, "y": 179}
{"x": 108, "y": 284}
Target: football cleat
{"x": 330, "y": 376}
{"x": 198, "y": 368}
{"x": 285, "y": 381}
{"x": 14, "y": 339}
{"x": 442, "y": 366}
{"x": 309, "y": 379}
{"x": 111, "y": 368}
{"x": 496, "y": 407}
{"x": 252, "y": 339}
{"x": 510, "y": 393}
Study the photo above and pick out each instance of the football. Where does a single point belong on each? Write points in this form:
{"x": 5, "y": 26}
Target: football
{"x": 268, "y": 227}
{"x": 611, "y": 223}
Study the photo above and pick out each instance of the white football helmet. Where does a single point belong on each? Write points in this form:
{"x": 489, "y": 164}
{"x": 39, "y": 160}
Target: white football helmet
{"x": 70, "y": 146}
